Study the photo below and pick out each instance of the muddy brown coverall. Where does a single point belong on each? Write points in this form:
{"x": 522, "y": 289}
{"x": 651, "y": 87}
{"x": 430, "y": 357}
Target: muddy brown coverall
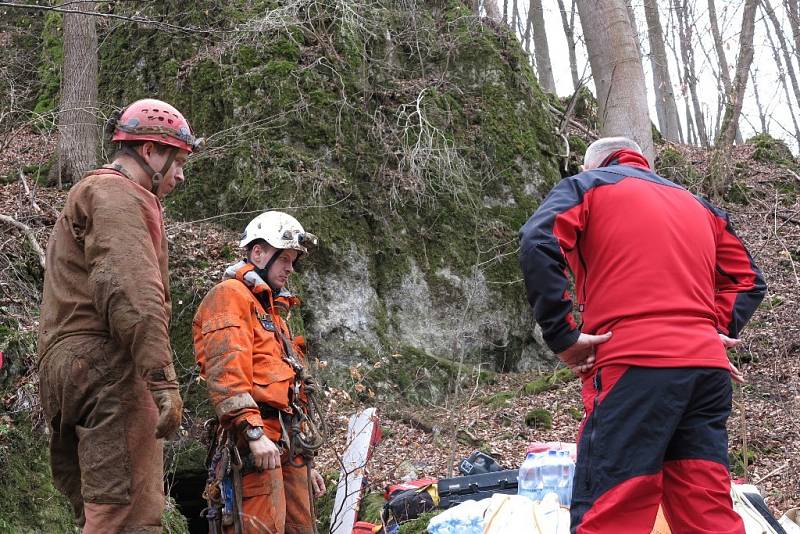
{"x": 103, "y": 341}
{"x": 242, "y": 359}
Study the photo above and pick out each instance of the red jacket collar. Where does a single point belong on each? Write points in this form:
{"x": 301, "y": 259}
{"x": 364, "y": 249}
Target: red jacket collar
{"x": 627, "y": 157}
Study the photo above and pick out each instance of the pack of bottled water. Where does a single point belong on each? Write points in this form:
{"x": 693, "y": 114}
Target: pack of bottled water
{"x": 547, "y": 472}
{"x": 466, "y": 518}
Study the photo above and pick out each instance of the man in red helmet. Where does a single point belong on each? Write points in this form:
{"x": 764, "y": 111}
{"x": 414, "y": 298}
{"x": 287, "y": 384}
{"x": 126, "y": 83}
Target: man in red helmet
{"x": 108, "y": 386}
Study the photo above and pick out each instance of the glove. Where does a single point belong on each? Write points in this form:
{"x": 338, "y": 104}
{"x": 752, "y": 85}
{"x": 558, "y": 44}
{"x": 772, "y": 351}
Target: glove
{"x": 170, "y": 410}
{"x": 163, "y": 386}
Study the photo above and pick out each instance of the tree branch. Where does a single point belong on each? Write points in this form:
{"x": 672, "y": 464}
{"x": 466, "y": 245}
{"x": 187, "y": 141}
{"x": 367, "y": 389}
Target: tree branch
{"x": 138, "y": 20}
{"x": 25, "y": 229}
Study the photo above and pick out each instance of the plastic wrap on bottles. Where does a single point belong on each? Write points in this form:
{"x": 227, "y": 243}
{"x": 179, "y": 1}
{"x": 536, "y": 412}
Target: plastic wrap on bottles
{"x": 529, "y": 478}
{"x": 466, "y": 518}
{"x": 516, "y": 514}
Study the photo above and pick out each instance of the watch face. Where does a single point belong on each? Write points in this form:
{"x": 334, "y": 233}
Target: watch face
{"x": 254, "y": 433}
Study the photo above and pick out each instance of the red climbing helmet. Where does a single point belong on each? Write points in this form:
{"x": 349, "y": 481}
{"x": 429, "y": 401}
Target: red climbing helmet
{"x": 157, "y": 121}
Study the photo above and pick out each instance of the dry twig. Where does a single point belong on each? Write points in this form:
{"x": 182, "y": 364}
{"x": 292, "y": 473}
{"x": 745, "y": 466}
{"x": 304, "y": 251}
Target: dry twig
{"x": 25, "y": 229}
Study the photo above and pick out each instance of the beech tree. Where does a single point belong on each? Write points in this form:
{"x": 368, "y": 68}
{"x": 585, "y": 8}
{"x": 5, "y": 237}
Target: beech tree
{"x": 666, "y": 109}
{"x": 568, "y": 23}
{"x": 541, "y": 50}
{"x": 745, "y": 58}
{"x": 77, "y": 120}
{"x": 617, "y": 72}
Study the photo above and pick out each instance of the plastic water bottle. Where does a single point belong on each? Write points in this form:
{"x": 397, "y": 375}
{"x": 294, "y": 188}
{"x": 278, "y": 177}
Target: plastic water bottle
{"x": 551, "y": 473}
{"x": 529, "y": 478}
{"x": 567, "y": 468}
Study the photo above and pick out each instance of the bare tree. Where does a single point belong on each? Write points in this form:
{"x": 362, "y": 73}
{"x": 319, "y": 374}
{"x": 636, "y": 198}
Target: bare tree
{"x": 492, "y": 11}
{"x": 743, "y": 62}
{"x": 724, "y": 72}
{"x": 783, "y": 46}
{"x": 540, "y": 48}
{"x": 634, "y": 26}
{"x": 617, "y": 72}
{"x": 77, "y": 123}
{"x": 762, "y": 115}
{"x": 685, "y": 26}
{"x": 672, "y": 26}
{"x": 666, "y": 110}
{"x": 569, "y": 31}
{"x": 793, "y": 8}
{"x": 782, "y": 77}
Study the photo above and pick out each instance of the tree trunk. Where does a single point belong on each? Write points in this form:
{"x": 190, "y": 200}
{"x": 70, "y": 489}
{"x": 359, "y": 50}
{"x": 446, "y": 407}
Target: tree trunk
{"x": 666, "y": 109}
{"x": 492, "y": 11}
{"x": 634, "y": 27}
{"x": 794, "y": 21}
{"x": 783, "y": 45}
{"x": 540, "y": 48}
{"x": 743, "y": 62}
{"x": 515, "y": 16}
{"x": 724, "y": 72}
{"x": 569, "y": 31}
{"x": 762, "y": 116}
{"x": 782, "y": 77}
{"x": 77, "y": 120}
{"x": 526, "y": 37}
{"x": 685, "y": 36}
{"x": 617, "y": 72}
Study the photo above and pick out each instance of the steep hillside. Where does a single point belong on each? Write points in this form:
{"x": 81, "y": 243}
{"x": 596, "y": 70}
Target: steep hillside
{"x": 414, "y": 140}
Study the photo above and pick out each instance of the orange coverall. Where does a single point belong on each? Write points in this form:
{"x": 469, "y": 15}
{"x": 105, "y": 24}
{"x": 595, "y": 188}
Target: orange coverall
{"x": 242, "y": 359}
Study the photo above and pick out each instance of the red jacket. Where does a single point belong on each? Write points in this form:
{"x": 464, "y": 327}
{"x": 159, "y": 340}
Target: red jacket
{"x": 660, "y": 268}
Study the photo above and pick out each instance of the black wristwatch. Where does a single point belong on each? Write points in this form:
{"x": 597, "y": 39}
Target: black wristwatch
{"x": 254, "y": 433}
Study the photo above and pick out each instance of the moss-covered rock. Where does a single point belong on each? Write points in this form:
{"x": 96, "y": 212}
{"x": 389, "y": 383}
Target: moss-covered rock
{"x": 30, "y": 503}
{"x": 549, "y": 382}
{"x": 539, "y": 418}
{"x": 416, "y": 163}
{"x": 769, "y": 149}
{"x": 671, "y": 164}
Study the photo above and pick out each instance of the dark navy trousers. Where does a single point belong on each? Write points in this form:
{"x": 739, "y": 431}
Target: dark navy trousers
{"x": 654, "y": 436}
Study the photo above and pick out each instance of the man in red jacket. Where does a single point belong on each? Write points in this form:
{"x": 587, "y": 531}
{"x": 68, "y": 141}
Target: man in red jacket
{"x": 663, "y": 286}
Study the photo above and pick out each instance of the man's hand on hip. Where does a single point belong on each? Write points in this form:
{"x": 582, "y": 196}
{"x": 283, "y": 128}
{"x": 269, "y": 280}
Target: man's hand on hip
{"x": 266, "y": 454}
{"x": 170, "y": 411}
{"x": 580, "y": 355}
{"x": 730, "y": 343}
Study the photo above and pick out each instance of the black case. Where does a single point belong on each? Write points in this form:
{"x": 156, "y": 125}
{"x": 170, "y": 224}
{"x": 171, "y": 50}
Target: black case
{"x": 453, "y": 491}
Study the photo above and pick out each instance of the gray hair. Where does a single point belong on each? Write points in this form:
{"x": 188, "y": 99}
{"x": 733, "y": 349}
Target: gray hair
{"x": 601, "y": 149}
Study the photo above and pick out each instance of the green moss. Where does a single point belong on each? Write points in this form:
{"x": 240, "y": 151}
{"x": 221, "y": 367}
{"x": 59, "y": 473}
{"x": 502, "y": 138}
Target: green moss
{"x": 549, "y": 382}
{"x": 673, "y": 165}
{"x": 418, "y": 525}
{"x": 371, "y": 508}
{"x": 499, "y": 399}
{"x": 50, "y": 66}
{"x": 539, "y": 418}
{"x": 324, "y": 505}
{"x": 769, "y": 149}
{"x": 575, "y": 413}
{"x": 412, "y": 375}
{"x": 740, "y": 459}
{"x": 31, "y": 503}
{"x": 172, "y": 520}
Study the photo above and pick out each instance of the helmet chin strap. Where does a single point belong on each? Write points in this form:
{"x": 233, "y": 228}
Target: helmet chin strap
{"x": 155, "y": 177}
{"x": 264, "y": 272}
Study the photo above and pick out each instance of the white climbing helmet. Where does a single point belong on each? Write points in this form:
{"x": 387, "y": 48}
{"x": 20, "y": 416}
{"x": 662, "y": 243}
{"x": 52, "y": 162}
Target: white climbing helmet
{"x": 280, "y": 230}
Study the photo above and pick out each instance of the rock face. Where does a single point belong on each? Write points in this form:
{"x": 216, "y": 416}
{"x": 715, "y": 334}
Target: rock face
{"x": 414, "y": 142}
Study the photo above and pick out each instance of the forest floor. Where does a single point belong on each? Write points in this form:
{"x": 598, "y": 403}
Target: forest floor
{"x": 421, "y": 441}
